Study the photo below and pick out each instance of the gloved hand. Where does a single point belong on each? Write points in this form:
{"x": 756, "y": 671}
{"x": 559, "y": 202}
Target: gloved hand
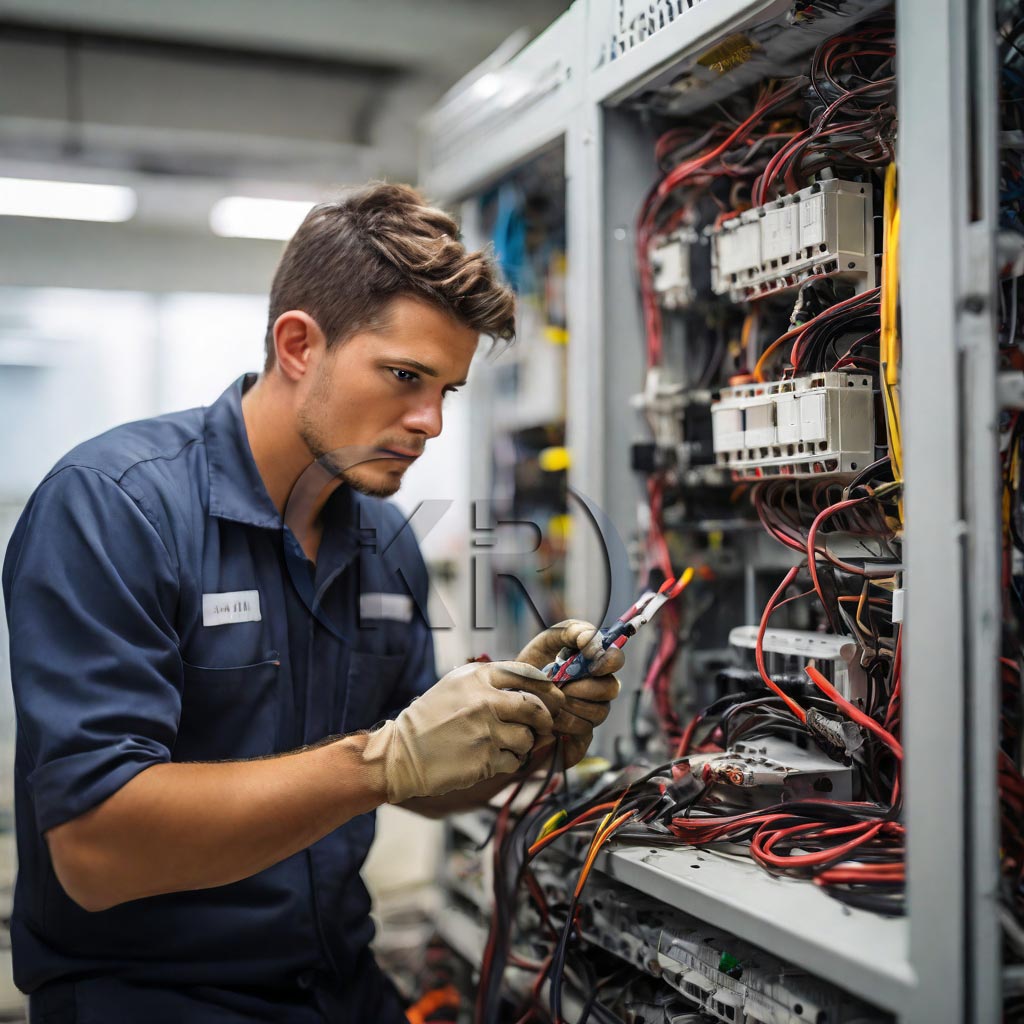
{"x": 587, "y": 701}
{"x": 476, "y": 722}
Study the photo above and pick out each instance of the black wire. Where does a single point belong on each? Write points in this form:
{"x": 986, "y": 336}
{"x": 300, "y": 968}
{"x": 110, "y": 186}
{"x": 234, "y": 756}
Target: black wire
{"x": 510, "y": 863}
{"x": 886, "y": 904}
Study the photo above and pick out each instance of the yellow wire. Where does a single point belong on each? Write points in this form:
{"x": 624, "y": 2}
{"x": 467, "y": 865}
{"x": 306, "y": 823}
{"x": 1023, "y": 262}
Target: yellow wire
{"x": 889, "y": 341}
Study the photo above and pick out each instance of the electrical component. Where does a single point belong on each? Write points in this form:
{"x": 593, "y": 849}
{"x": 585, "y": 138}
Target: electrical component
{"x": 801, "y": 427}
{"x": 681, "y": 268}
{"x": 899, "y": 596}
{"x": 680, "y": 420}
{"x": 839, "y": 656}
{"x": 730, "y": 980}
{"x": 825, "y": 228}
{"x": 664, "y": 1008}
{"x": 769, "y": 771}
{"x": 698, "y": 439}
{"x": 662, "y": 402}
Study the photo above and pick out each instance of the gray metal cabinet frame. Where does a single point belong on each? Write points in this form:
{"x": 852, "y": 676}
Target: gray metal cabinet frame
{"x": 941, "y": 963}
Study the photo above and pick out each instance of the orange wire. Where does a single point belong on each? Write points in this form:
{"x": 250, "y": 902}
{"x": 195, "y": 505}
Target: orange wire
{"x": 767, "y": 353}
{"x": 595, "y": 848}
{"x": 586, "y": 815}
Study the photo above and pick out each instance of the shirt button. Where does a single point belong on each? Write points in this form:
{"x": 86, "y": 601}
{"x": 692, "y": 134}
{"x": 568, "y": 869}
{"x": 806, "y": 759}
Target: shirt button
{"x": 306, "y": 979}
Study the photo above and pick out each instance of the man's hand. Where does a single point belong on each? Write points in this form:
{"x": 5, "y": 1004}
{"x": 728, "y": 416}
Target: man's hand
{"x": 479, "y": 721}
{"x": 587, "y": 701}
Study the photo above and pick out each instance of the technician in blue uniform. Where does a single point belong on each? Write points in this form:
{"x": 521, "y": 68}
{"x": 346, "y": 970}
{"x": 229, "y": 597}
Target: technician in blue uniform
{"x": 202, "y": 631}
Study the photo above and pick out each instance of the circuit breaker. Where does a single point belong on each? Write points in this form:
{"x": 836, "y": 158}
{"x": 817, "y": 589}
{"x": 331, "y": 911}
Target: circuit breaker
{"x": 803, "y": 427}
{"x": 824, "y": 229}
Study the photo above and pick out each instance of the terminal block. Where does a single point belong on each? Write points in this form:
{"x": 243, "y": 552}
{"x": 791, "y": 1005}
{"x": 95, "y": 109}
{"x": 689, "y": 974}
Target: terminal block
{"x": 825, "y": 228}
{"x": 807, "y": 426}
{"x": 681, "y": 268}
{"x": 728, "y": 979}
{"x": 770, "y": 771}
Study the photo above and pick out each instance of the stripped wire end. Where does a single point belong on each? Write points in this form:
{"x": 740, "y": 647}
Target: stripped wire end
{"x": 684, "y": 581}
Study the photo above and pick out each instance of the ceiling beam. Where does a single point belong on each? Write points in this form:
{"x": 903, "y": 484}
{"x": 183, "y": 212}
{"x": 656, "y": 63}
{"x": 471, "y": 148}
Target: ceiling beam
{"x": 454, "y": 35}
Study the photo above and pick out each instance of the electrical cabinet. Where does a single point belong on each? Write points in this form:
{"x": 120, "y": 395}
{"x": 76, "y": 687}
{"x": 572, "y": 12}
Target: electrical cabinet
{"x": 730, "y": 371}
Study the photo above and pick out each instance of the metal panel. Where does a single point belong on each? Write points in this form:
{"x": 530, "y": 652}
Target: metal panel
{"x": 942, "y": 963}
{"x": 654, "y": 62}
{"x": 699, "y": 25}
{"x": 588, "y": 573}
{"x": 982, "y": 499}
{"x": 517, "y": 110}
{"x": 862, "y": 952}
{"x": 626, "y": 166}
{"x": 949, "y": 648}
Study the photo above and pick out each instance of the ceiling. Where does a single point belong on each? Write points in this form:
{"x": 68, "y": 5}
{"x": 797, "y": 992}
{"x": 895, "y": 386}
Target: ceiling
{"x": 257, "y": 91}
{"x": 447, "y": 37}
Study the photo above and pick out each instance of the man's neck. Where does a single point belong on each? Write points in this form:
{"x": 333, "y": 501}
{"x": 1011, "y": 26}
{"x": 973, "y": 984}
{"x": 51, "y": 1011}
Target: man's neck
{"x": 298, "y": 487}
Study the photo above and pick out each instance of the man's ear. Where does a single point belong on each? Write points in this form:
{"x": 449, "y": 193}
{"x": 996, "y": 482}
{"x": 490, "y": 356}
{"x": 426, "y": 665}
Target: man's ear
{"x": 297, "y": 339}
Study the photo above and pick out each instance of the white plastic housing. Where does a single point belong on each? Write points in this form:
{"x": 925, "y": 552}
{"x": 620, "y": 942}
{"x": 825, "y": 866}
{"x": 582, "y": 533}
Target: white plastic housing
{"x": 825, "y": 228}
{"x": 670, "y": 263}
{"x": 824, "y": 424}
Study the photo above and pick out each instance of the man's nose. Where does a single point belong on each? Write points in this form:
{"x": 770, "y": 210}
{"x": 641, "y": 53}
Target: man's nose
{"x": 424, "y": 418}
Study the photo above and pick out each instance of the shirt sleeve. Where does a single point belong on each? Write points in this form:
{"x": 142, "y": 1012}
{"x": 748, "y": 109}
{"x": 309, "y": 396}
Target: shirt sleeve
{"x": 91, "y": 592}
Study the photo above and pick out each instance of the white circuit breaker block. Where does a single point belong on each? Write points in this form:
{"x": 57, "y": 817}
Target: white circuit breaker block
{"x": 825, "y": 228}
{"x": 671, "y": 267}
{"x": 809, "y": 426}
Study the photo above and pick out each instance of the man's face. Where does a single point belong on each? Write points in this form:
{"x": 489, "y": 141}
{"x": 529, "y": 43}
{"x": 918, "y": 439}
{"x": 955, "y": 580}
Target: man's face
{"x": 384, "y": 389}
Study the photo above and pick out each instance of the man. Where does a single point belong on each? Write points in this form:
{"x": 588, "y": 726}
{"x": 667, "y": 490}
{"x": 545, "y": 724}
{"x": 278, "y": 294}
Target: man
{"x": 203, "y": 630}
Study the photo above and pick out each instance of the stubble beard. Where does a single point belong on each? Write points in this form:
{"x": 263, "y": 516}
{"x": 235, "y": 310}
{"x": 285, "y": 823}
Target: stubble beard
{"x": 334, "y": 460}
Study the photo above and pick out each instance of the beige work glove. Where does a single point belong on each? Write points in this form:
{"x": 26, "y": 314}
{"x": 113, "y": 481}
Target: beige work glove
{"x": 476, "y": 722}
{"x": 587, "y": 701}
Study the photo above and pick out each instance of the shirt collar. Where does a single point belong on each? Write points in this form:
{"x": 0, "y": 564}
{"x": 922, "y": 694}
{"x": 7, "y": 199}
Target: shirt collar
{"x": 237, "y": 491}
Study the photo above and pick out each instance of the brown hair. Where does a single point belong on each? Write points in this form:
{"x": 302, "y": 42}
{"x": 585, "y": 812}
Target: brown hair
{"x": 352, "y": 256}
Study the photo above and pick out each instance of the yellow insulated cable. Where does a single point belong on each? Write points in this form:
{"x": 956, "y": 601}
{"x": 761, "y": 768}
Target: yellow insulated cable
{"x": 889, "y": 340}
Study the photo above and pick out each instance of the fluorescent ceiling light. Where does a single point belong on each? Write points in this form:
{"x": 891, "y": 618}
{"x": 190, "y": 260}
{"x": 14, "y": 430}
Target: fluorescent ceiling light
{"x": 248, "y": 217}
{"x": 65, "y": 200}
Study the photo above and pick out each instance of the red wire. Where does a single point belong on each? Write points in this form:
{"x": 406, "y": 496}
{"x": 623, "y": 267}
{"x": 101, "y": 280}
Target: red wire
{"x": 852, "y": 711}
{"x": 860, "y": 874}
{"x": 759, "y": 647}
{"x": 764, "y": 840}
{"x": 687, "y": 737}
{"x": 812, "y": 534}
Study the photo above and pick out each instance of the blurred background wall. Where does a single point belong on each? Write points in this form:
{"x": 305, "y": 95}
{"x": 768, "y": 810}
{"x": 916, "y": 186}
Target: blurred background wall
{"x": 159, "y": 307}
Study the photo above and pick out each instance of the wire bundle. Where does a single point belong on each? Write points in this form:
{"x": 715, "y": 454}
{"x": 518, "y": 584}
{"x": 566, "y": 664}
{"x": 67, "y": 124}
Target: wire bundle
{"x": 691, "y": 167}
{"x": 853, "y": 119}
{"x": 692, "y": 160}
{"x": 831, "y": 340}
{"x": 853, "y": 848}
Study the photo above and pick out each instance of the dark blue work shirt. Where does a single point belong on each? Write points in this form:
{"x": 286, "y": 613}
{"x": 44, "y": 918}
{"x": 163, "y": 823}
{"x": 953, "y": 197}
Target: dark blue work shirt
{"x": 160, "y": 611}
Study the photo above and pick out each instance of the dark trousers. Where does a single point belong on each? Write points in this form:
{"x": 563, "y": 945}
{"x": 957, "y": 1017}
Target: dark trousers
{"x": 371, "y": 1000}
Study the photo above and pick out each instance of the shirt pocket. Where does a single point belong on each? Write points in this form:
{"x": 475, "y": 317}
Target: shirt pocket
{"x": 228, "y": 713}
{"x": 372, "y": 689}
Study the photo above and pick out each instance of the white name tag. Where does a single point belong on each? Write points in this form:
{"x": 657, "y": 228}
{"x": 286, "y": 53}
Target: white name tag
{"x": 386, "y": 606}
{"x": 235, "y": 606}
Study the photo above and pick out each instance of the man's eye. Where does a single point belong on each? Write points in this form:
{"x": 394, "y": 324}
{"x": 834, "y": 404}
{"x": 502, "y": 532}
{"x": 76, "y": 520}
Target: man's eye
{"x": 451, "y": 391}
{"x": 403, "y": 375}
